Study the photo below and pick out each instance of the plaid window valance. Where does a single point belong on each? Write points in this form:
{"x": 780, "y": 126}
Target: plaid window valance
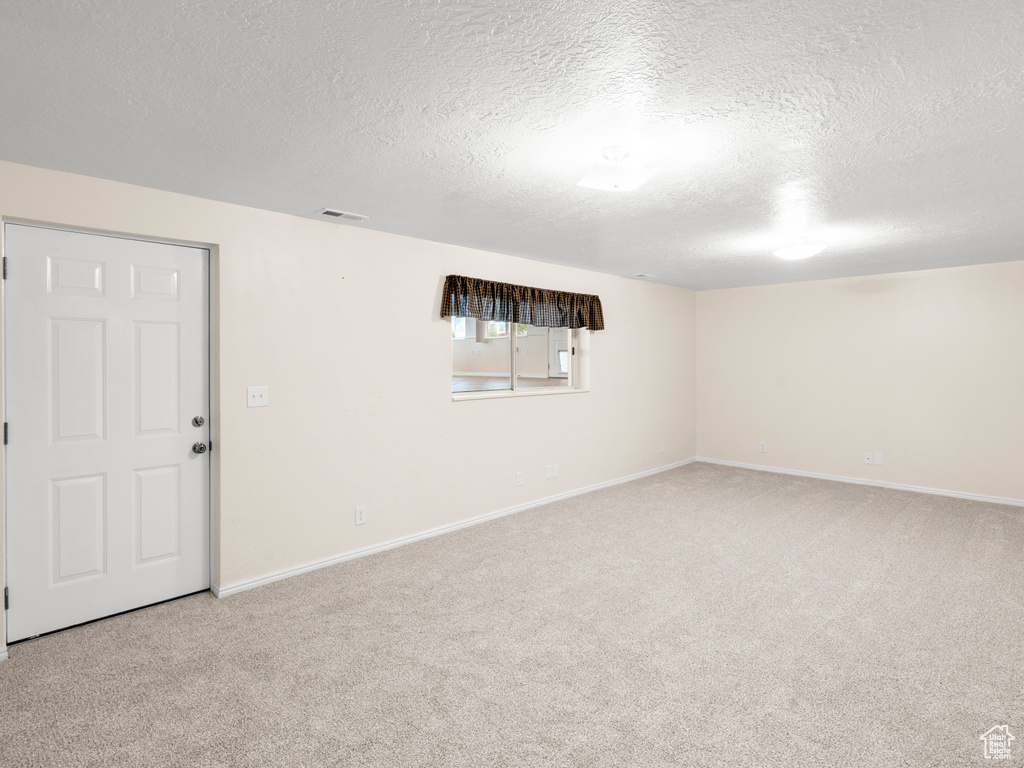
{"x": 508, "y": 303}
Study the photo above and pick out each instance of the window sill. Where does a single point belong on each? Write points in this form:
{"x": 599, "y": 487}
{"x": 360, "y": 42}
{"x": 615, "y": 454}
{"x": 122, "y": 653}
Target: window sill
{"x": 495, "y": 394}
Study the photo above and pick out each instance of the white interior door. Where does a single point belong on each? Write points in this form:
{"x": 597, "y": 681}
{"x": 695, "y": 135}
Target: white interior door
{"x": 107, "y": 364}
{"x": 558, "y": 353}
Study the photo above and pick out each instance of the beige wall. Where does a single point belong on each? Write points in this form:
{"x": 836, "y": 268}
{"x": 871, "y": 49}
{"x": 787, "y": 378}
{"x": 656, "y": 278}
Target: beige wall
{"x": 350, "y": 422}
{"x": 926, "y": 368}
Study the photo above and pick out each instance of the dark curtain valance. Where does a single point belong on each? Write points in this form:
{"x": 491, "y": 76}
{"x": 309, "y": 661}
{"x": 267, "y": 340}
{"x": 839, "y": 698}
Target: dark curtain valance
{"x": 507, "y": 303}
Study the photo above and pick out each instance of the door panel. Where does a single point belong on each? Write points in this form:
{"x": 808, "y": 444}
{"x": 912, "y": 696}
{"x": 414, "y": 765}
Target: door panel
{"x": 78, "y": 528}
{"x": 72, "y": 277}
{"x": 157, "y": 378}
{"x": 154, "y": 283}
{"x": 76, "y": 374}
{"x": 107, "y": 362}
{"x": 157, "y": 513}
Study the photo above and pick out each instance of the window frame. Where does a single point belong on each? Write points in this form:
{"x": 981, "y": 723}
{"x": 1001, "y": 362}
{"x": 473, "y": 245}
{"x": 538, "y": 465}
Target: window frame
{"x": 572, "y": 385}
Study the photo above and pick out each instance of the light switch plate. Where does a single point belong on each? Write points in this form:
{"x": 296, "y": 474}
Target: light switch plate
{"x": 258, "y": 397}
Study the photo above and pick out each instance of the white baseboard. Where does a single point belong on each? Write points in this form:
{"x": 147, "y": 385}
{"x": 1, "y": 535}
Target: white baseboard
{"x": 242, "y": 586}
{"x": 862, "y": 481}
{"x": 215, "y": 588}
{"x": 3, "y": 653}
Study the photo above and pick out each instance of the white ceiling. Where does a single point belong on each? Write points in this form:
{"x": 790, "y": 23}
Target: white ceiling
{"x": 890, "y": 129}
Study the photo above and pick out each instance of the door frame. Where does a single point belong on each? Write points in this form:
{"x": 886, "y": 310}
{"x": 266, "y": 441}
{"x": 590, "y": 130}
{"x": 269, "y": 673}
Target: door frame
{"x": 213, "y": 389}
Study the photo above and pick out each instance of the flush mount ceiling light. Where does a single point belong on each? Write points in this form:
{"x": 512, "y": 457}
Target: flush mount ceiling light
{"x": 799, "y": 250}
{"x": 616, "y": 173}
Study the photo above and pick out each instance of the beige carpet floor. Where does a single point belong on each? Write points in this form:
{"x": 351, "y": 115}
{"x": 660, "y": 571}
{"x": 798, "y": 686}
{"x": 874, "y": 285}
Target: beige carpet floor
{"x": 706, "y": 616}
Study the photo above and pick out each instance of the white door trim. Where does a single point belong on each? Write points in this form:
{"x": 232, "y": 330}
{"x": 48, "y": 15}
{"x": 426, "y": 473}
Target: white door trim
{"x": 212, "y": 393}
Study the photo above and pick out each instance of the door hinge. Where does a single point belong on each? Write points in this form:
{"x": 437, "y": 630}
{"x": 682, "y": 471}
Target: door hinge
{"x": 5, "y": 433}
{"x": 574, "y": 350}
{"x": 7, "y": 599}
{"x": 5, "y": 267}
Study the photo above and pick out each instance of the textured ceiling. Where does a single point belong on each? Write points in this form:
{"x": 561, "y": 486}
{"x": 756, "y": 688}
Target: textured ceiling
{"x": 890, "y": 129}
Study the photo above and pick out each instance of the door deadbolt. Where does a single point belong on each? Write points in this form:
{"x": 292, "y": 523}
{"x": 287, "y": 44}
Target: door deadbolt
{"x": 198, "y": 421}
{"x": 199, "y": 448}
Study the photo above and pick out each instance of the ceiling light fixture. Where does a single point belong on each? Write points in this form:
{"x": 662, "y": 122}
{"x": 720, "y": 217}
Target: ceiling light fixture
{"x": 799, "y": 250}
{"x": 617, "y": 173}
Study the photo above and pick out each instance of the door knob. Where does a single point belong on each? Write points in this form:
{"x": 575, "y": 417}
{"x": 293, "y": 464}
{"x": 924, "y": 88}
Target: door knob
{"x": 199, "y": 448}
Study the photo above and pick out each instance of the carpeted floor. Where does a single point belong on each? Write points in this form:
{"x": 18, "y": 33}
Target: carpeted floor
{"x": 706, "y": 616}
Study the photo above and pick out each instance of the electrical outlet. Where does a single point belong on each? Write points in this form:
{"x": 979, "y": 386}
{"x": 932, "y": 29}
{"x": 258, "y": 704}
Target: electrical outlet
{"x": 360, "y": 515}
{"x": 257, "y": 397}
{"x": 547, "y": 472}
{"x": 867, "y": 457}
{"x": 554, "y": 470}
{"x": 764, "y": 447}
{"x": 878, "y": 459}
{"x": 519, "y": 478}
{"x": 661, "y": 447}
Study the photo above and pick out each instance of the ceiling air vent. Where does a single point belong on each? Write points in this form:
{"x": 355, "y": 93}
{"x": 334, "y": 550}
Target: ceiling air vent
{"x": 334, "y": 213}
{"x": 642, "y": 276}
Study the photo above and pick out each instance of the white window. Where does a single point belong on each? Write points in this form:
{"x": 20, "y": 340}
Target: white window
{"x": 496, "y": 330}
{"x": 486, "y": 357}
{"x": 458, "y": 328}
